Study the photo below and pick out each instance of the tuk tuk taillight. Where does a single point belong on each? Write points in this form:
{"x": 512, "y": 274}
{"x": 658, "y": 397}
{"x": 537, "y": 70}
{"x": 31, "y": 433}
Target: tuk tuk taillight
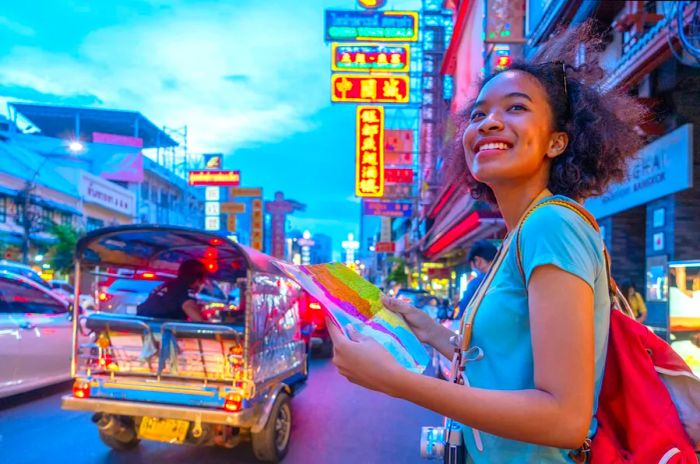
{"x": 107, "y": 362}
{"x": 233, "y": 402}
{"x": 315, "y": 306}
{"x": 81, "y": 389}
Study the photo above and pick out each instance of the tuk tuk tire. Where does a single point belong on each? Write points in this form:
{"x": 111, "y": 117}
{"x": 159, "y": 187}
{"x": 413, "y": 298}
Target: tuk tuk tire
{"x": 268, "y": 445}
{"x": 119, "y": 445}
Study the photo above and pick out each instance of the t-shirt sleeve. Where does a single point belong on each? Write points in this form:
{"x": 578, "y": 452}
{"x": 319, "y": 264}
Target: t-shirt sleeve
{"x": 555, "y": 235}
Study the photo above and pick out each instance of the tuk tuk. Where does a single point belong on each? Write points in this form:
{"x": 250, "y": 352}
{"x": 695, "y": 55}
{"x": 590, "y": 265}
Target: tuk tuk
{"x": 215, "y": 383}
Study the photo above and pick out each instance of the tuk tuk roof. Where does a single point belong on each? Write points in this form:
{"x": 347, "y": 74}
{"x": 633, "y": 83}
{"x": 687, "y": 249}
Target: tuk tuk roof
{"x": 147, "y": 246}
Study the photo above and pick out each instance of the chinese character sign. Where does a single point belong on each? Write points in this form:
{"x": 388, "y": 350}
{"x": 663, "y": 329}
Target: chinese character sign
{"x": 369, "y": 88}
{"x": 369, "y": 178}
{"x": 369, "y": 57}
{"x": 256, "y": 225}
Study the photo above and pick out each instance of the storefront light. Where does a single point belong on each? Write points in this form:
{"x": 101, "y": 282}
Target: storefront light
{"x": 39, "y": 258}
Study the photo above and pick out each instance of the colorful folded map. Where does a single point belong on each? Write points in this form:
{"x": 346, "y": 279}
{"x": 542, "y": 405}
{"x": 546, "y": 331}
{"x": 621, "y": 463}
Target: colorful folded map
{"x": 350, "y": 299}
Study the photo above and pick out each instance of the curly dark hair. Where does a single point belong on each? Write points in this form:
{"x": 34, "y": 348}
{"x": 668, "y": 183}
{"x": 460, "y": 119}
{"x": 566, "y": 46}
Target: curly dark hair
{"x": 601, "y": 124}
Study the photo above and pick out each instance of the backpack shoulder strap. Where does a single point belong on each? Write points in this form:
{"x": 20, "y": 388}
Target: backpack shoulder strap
{"x": 586, "y": 216}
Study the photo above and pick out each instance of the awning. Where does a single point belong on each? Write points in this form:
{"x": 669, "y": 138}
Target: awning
{"x": 10, "y": 238}
{"x": 458, "y": 223}
{"x": 59, "y": 206}
{"x": 7, "y": 191}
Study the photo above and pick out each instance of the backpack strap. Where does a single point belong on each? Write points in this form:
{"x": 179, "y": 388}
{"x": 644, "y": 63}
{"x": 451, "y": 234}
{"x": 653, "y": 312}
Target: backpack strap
{"x": 586, "y": 216}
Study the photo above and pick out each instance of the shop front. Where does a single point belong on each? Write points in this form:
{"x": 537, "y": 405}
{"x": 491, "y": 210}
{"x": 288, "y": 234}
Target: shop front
{"x": 457, "y": 222}
{"x": 650, "y": 223}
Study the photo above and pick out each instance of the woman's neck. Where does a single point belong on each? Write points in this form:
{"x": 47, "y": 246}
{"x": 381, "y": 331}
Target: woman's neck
{"x": 513, "y": 201}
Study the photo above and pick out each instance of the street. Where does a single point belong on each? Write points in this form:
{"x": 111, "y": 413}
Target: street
{"x": 334, "y": 422}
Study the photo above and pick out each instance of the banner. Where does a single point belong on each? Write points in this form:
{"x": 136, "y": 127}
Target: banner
{"x": 370, "y": 57}
{"x": 398, "y": 176}
{"x": 385, "y": 247}
{"x": 214, "y": 178}
{"x": 368, "y": 26}
{"x": 232, "y": 208}
{"x": 398, "y": 191}
{"x": 369, "y": 164}
{"x": 369, "y": 88}
{"x": 398, "y": 146}
{"x": 386, "y": 209}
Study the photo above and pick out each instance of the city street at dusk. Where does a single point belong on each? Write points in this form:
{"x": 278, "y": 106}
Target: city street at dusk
{"x": 349, "y": 231}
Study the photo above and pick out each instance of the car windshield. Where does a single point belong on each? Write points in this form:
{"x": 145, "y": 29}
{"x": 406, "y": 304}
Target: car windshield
{"x": 24, "y": 272}
{"x": 134, "y": 286}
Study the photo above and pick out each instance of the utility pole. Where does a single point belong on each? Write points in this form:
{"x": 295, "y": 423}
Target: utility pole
{"x": 29, "y": 220}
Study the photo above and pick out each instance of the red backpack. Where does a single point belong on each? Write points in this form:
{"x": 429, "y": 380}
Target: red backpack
{"x": 649, "y": 404}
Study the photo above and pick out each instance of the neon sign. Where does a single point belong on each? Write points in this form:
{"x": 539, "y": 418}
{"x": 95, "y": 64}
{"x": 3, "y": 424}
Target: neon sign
{"x": 369, "y": 88}
{"x": 366, "y": 26}
{"x": 369, "y": 174}
{"x": 370, "y": 57}
{"x": 214, "y": 178}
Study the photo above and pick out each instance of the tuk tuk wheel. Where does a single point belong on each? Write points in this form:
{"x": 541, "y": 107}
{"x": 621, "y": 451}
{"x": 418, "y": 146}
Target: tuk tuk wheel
{"x": 119, "y": 445}
{"x": 272, "y": 442}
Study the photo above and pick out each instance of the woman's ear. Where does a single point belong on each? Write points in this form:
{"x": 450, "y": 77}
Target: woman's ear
{"x": 559, "y": 142}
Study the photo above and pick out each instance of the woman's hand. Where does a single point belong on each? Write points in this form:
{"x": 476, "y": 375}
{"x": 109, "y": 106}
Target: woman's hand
{"x": 422, "y": 325}
{"x": 363, "y": 361}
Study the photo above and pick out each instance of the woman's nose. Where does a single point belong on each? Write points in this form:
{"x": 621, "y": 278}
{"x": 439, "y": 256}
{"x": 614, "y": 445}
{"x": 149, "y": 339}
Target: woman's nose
{"x": 490, "y": 123}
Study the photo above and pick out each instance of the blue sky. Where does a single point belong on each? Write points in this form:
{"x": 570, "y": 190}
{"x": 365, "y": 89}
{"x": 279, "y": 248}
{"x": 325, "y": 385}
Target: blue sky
{"x": 250, "y": 78}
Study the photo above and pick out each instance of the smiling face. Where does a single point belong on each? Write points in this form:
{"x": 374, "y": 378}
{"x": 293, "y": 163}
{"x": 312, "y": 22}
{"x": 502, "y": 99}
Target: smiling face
{"x": 509, "y": 138}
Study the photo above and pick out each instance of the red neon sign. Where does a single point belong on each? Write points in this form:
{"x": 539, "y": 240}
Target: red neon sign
{"x": 369, "y": 88}
{"x": 369, "y": 165}
{"x": 370, "y": 57}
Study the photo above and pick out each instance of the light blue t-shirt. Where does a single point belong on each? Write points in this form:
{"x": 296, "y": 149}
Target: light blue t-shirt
{"x": 552, "y": 235}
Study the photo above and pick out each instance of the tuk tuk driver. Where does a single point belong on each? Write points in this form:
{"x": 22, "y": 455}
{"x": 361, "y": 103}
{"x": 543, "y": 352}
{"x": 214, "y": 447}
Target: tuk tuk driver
{"x": 173, "y": 299}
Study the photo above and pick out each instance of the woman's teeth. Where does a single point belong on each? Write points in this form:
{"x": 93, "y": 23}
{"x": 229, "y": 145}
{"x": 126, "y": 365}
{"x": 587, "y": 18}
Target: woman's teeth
{"x": 494, "y": 146}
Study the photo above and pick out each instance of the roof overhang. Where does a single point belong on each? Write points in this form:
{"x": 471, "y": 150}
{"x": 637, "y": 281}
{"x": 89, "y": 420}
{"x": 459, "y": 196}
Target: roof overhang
{"x": 64, "y": 121}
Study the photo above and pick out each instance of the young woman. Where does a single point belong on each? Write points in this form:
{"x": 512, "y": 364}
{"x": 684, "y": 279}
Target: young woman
{"x": 538, "y": 129}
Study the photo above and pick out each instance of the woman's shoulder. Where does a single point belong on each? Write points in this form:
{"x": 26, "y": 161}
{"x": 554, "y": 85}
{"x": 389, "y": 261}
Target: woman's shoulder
{"x": 549, "y": 218}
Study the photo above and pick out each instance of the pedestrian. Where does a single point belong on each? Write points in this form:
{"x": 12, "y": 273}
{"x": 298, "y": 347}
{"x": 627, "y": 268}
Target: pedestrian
{"x": 639, "y": 308}
{"x": 541, "y": 129}
{"x": 480, "y": 257}
{"x": 430, "y": 307}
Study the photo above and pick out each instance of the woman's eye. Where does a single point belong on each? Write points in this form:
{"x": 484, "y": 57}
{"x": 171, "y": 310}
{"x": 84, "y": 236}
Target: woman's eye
{"x": 517, "y": 107}
{"x": 476, "y": 115}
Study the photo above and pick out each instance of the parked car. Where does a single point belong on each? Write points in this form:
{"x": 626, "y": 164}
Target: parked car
{"x": 66, "y": 291}
{"x": 24, "y": 271}
{"x": 35, "y": 335}
{"x": 124, "y": 294}
{"x": 413, "y": 296}
{"x": 313, "y": 321}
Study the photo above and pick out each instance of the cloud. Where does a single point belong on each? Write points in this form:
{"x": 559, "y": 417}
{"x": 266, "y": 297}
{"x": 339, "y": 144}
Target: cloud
{"x": 16, "y": 27}
{"x": 214, "y": 67}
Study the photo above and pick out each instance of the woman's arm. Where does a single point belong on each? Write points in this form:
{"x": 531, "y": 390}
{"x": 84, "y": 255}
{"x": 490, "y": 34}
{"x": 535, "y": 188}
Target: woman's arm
{"x": 557, "y": 412}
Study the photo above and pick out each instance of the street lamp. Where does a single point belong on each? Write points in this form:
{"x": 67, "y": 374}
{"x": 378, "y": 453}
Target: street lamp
{"x": 76, "y": 146}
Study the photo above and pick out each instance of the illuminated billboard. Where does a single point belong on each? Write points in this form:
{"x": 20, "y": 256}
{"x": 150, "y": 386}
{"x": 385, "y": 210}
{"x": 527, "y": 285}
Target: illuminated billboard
{"x": 398, "y": 145}
{"x": 387, "y": 209}
{"x": 369, "y": 88}
{"x": 214, "y": 178}
{"x": 370, "y": 57}
{"x": 368, "y": 26}
{"x": 369, "y": 165}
